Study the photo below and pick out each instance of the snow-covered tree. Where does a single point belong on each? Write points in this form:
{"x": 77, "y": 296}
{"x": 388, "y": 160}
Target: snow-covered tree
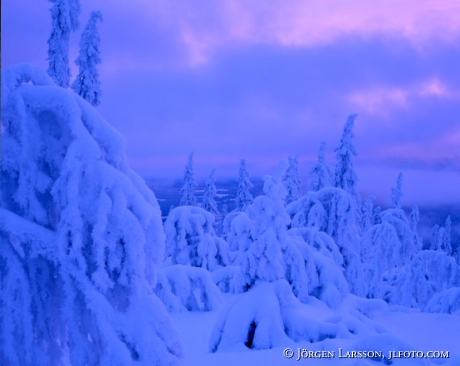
{"x": 192, "y": 249}
{"x": 345, "y": 176}
{"x": 292, "y": 182}
{"x": 210, "y": 191}
{"x": 64, "y": 16}
{"x": 223, "y": 214}
{"x": 243, "y": 196}
{"x": 188, "y": 189}
{"x": 87, "y": 83}
{"x": 187, "y": 288}
{"x": 446, "y": 301}
{"x": 319, "y": 272}
{"x": 446, "y": 237}
{"x": 80, "y": 237}
{"x": 415, "y": 218}
{"x": 321, "y": 175}
{"x": 333, "y": 211}
{"x": 397, "y": 193}
{"x": 368, "y": 213}
{"x": 386, "y": 248}
{"x": 191, "y": 240}
{"x": 428, "y": 273}
{"x": 436, "y": 238}
{"x": 281, "y": 269}
{"x": 269, "y": 231}
{"x": 377, "y": 216}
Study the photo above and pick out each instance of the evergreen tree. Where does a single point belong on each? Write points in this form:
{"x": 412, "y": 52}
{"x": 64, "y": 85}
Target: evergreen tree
{"x": 292, "y": 182}
{"x": 64, "y": 14}
{"x": 188, "y": 189}
{"x": 320, "y": 173}
{"x": 396, "y": 193}
{"x": 221, "y": 228}
{"x": 191, "y": 239}
{"x": 377, "y": 216}
{"x": 80, "y": 237}
{"x": 368, "y": 213}
{"x": 415, "y": 218}
{"x": 210, "y": 191}
{"x": 446, "y": 238}
{"x": 87, "y": 83}
{"x": 435, "y": 242}
{"x": 345, "y": 176}
{"x": 243, "y": 196}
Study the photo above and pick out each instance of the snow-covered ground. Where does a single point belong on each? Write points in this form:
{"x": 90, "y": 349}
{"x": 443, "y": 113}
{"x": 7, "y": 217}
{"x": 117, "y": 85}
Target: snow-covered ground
{"x": 419, "y": 331}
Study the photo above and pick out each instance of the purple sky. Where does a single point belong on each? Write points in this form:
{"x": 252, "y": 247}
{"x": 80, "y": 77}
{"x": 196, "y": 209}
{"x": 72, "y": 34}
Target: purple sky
{"x": 263, "y": 80}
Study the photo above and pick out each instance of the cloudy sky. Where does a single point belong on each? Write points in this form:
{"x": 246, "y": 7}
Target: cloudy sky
{"x": 263, "y": 80}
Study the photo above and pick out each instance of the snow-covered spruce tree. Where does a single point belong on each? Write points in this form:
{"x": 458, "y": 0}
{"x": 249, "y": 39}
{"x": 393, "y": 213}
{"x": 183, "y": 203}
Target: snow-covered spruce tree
{"x": 209, "y": 202}
{"x": 220, "y": 227}
{"x": 191, "y": 239}
{"x": 436, "y": 237}
{"x": 243, "y": 196}
{"x": 186, "y": 288}
{"x": 87, "y": 83}
{"x": 377, "y": 216}
{"x": 397, "y": 218}
{"x": 188, "y": 189}
{"x": 81, "y": 236}
{"x": 262, "y": 264}
{"x": 319, "y": 272}
{"x": 269, "y": 314}
{"x": 192, "y": 248}
{"x": 386, "y": 247}
{"x": 446, "y": 237}
{"x": 345, "y": 176}
{"x": 64, "y": 16}
{"x": 269, "y": 233}
{"x": 333, "y": 211}
{"x": 368, "y": 213}
{"x": 447, "y": 302}
{"x": 430, "y": 272}
{"x": 292, "y": 182}
{"x": 415, "y": 218}
{"x": 321, "y": 175}
{"x": 397, "y": 193}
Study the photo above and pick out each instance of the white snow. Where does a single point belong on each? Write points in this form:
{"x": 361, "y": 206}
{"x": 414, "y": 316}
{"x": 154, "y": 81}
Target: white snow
{"x": 410, "y": 331}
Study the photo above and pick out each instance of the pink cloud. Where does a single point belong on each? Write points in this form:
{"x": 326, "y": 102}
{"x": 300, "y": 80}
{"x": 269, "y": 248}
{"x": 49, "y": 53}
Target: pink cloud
{"x": 205, "y": 26}
{"x": 379, "y": 100}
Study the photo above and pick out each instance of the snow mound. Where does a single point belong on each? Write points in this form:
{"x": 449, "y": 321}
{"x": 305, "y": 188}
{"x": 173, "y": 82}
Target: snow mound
{"x": 269, "y": 316}
{"x": 447, "y": 301}
{"x": 187, "y": 288}
{"x": 251, "y": 320}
